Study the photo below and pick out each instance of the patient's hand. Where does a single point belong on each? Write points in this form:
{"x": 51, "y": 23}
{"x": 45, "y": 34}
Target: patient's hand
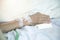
{"x": 39, "y": 18}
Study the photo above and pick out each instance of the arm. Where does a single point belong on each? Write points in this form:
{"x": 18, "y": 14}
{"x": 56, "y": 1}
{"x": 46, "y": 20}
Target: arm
{"x": 37, "y": 18}
{"x": 5, "y": 27}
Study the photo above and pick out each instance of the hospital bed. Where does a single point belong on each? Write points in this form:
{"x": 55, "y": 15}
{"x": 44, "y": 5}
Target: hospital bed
{"x": 38, "y": 32}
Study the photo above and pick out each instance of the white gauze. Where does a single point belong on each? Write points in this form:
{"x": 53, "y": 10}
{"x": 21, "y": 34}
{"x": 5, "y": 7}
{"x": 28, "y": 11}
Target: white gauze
{"x": 27, "y": 18}
{"x": 21, "y": 22}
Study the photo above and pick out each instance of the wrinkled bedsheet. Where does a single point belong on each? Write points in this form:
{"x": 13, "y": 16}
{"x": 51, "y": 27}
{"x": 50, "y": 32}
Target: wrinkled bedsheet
{"x": 28, "y": 33}
{"x": 36, "y": 32}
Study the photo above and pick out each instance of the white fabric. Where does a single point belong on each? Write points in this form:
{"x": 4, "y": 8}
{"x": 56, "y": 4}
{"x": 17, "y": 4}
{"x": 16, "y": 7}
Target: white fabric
{"x": 49, "y": 7}
{"x": 29, "y": 33}
{"x": 10, "y": 35}
{"x": 43, "y": 26}
{"x": 21, "y": 22}
{"x": 27, "y": 18}
{"x": 56, "y": 27}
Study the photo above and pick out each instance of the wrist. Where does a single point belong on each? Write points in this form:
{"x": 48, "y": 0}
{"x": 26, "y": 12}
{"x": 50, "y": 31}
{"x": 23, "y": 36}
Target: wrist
{"x": 27, "y": 20}
{"x": 21, "y": 24}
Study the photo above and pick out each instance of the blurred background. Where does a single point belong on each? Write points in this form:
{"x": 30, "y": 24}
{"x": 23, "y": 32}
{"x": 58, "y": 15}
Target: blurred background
{"x": 12, "y": 9}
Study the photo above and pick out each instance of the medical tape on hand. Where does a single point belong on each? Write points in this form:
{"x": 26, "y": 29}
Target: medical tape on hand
{"x": 21, "y": 22}
{"x": 27, "y": 18}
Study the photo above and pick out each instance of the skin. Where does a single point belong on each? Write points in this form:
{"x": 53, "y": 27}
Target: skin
{"x": 37, "y": 18}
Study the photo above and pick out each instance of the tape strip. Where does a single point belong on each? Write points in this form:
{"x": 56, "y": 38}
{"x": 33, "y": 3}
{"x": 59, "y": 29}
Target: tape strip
{"x": 21, "y": 22}
{"x": 27, "y": 18}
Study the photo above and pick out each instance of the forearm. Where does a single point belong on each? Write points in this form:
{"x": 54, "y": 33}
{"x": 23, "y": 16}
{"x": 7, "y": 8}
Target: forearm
{"x": 11, "y": 25}
{"x": 5, "y": 27}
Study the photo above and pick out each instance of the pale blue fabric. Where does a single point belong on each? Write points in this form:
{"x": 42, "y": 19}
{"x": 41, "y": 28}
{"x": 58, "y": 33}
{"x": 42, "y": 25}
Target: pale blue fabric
{"x": 56, "y": 27}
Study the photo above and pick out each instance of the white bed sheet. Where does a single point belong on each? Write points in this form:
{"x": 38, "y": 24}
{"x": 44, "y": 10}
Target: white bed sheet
{"x": 38, "y": 32}
{"x": 30, "y": 33}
